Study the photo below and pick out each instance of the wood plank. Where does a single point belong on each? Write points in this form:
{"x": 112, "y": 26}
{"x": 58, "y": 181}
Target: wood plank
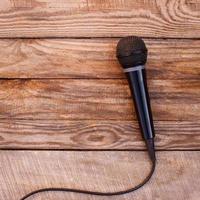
{"x": 65, "y": 134}
{"x": 176, "y": 176}
{"x": 94, "y": 18}
{"x": 96, "y": 99}
{"x": 94, "y": 58}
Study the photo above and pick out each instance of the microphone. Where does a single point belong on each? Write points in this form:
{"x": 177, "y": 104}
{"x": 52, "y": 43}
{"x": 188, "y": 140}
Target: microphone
{"x": 132, "y": 55}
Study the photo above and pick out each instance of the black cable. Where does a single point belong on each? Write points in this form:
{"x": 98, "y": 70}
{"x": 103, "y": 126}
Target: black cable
{"x": 152, "y": 158}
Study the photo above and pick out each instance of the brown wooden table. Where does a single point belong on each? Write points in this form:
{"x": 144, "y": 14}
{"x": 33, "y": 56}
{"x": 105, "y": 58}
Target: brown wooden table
{"x": 66, "y": 114}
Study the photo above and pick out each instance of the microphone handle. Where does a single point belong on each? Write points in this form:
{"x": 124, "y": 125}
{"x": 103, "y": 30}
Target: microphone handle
{"x": 138, "y": 85}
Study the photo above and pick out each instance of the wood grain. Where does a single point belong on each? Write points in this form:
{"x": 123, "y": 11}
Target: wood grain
{"x": 120, "y": 135}
{"x": 94, "y": 58}
{"x": 176, "y": 174}
{"x": 70, "y": 94}
{"x": 96, "y": 99}
{"x": 94, "y": 18}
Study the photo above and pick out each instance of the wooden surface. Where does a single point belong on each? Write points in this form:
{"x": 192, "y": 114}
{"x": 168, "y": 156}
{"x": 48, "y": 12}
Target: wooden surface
{"x": 99, "y": 18}
{"x": 66, "y": 114}
{"x": 96, "y": 99}
{"x": 176, "y": 174}
{"x": 94, "y": 58}
{"x": 95, "y": 134}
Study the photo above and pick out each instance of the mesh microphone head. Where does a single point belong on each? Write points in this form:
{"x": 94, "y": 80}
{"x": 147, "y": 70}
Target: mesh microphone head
{"x": 131, "y": 51}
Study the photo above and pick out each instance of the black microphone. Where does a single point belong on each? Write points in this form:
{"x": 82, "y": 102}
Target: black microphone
{"x": 132, "y": 55}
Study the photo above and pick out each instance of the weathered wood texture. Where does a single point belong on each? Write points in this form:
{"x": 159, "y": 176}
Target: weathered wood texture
{"x": 73, "y": 96}
{"x": 176, "y": 176}
{"x": 175, "y": 97}
{"x": 94, "y": 58}
{"x": 64, "y": 134}
{"x": 96, "y": 99}
{"x": 94, "y": 18}
{"x": 106, "y": 100}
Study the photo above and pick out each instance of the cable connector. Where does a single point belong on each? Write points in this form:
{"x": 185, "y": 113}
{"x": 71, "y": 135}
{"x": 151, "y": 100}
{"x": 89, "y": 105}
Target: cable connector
{"x": 151, "y": 149}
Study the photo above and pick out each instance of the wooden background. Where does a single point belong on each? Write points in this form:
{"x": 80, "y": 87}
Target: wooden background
{"x": 66, "y": 114}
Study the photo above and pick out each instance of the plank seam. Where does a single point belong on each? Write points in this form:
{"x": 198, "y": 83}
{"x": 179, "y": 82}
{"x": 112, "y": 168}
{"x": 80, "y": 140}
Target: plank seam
{"x": 64, "y": 37}
{"x": 97, "y": 150}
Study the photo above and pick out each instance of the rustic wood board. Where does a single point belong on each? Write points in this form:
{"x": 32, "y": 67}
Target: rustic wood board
{"x": 96, "y": 99}
{"x": 94, "y": 18}
{"x": 176, "y": 176}
{"x": 91, "y": 134}
{"x": 94, "y": 58}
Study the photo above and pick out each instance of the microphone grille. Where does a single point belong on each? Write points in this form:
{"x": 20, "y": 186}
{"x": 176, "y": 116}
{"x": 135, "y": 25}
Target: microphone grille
{"x": 131, "y": 51}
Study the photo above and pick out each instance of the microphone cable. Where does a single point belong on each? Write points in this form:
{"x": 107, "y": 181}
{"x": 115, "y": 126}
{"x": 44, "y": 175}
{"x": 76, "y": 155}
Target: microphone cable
{"x": 151, "y": 152}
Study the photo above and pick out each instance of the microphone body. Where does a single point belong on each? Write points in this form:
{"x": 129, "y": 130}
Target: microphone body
{"x": 138, "y": 86}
